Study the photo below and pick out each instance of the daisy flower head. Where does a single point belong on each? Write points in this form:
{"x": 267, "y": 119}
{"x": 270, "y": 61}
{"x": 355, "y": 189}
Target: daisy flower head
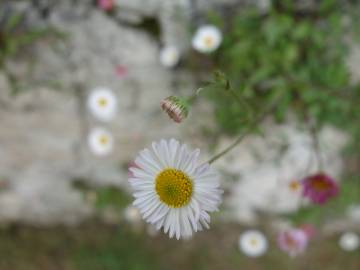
{"x": 102, "y": 103}
{"x": 294, "y": 186}
{"x": 169, "y": 56}
{"x": 176, "y": 107}
{"x": 105, "y": 5}
{"x": 293, "y": 241}
{"x": 132, "y": 214}
{"x": 207, "y": 39}
{"x": 100, "y": 141}
{"x": 172, "y": 191}
{"x": 349, "y": 241}
{"x": 319, "y": 188}
{"x": 253, "y": 243}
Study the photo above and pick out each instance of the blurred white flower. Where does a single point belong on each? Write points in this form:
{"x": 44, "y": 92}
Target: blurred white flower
{"x": 151, "y": 230}
{"x": 253, "y": 243}
{"x": 132, "y": 214}
{"x": 172, "y": 191}
{"x": 169, "y": 56}
{"x": 102, "y": 103}
{"x": 349, "y": 241}
{"x": 207, "y": 39}
{"x": 100, "y": 141}
{"x": 353, "y": 212}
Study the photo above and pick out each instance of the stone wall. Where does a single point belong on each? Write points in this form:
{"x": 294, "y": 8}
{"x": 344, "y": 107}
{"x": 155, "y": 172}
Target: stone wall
{"x": 44, "y": 129}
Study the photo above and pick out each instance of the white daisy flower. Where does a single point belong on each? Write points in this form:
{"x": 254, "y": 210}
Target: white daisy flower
{"x": 169, "y": 56}
{"x": 132, "y": 214}
{"x": 253, "y": 243}
{"x": 349, "y": 241}
{"x": 151, "y": 230}
{"x": 100, "y": 141}
{"x": 207, "y": 39}
{"x": 102, "y": 103}
{"x": 172, "y": 191}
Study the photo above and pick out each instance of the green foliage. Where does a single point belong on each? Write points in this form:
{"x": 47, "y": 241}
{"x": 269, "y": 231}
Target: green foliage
{"x": 105, "y": 196}
{"x": 297, "y": 57}
{"x": 15, "y": 37}
{"x": 98, "y": 247}
{"x": 122, "y": 250}
{"x": 112, "y": 196}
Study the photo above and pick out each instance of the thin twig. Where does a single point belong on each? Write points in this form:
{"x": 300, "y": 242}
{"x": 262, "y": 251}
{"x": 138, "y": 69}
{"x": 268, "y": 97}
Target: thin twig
{"x": 315, "y": 138}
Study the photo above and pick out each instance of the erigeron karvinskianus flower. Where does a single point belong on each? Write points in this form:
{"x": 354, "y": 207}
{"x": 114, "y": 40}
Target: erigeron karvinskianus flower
{"x": 253, "y": 243}
{"x": 176, "y": 107}
{"x": 100, "y": 141}
{"x": 207, "y": 39}
{"x": 294, "y": 186}
{"x": 132, "y": 215}
{"x": 102, "y": 103}
{"x": 105, "y": 5}
{"x": 349, "y": 241}
{"x": 293, "y": 241}
{"x": 121, "y": 71}
{"x": 172, "y": 191}
{"x": 319, "y": 188}
{"x": 309, "y": 230}
{"x": 169, "y": 56}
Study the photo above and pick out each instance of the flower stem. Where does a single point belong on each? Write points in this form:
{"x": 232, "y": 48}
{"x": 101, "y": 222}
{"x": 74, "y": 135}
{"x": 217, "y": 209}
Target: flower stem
{"x": 316, "y": 143}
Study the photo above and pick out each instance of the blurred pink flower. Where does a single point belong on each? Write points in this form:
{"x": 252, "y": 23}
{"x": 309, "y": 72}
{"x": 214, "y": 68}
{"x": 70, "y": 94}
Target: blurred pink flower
{"x": 293, "y": 241}
{"x": 309, "y": 230}
{"x": 121, "y": 71}
{"x": 319, "y": 188}
{"x": 105, "y": 5}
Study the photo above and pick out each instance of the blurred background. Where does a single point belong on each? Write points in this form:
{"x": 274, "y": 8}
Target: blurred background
{"x": 65, "y": 206}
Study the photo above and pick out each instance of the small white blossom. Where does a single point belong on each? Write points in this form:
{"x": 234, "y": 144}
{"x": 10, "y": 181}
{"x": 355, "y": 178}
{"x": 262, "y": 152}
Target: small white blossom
{"x": 169, "y": 56}
{"x": 253, "y": 243}
{"x": 102, "y": 103}
{"x": 349, "y": 241}
{"x": 100, "y": 141}
{"x": 207, "y": 39}
{"x": 132, "y": 214}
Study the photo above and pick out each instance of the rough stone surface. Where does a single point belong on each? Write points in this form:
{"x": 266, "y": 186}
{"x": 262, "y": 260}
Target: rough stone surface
{"x": 264, "y": 167}
{"x": 44, "y": 129}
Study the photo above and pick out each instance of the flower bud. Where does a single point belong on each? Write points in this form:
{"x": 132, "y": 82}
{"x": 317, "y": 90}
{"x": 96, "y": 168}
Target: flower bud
{"x": 176, "y": 107}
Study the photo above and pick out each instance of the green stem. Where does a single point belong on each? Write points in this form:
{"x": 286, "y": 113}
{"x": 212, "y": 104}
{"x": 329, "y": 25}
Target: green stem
{"x": 315, "y": 138}
{"x": 192, "y": 98}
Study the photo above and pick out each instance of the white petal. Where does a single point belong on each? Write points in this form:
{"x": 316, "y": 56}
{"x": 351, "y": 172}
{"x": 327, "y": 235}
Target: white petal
{"x": 141, "y": 173}
{"x": 156, "y": 149}
{"x": 164, "y": 150}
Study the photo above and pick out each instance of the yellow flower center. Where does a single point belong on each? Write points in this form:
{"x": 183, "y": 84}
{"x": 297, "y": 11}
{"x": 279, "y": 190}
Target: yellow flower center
{"x": 173, "y": 187}
{"x": 103, "y": 140}
{"x": 294, "y": 185}
{"x": 320, "y": 184}
{"x": 253, "y": 242}
{"x": 102, "y": 102}
{"x": 209, "y": 41}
